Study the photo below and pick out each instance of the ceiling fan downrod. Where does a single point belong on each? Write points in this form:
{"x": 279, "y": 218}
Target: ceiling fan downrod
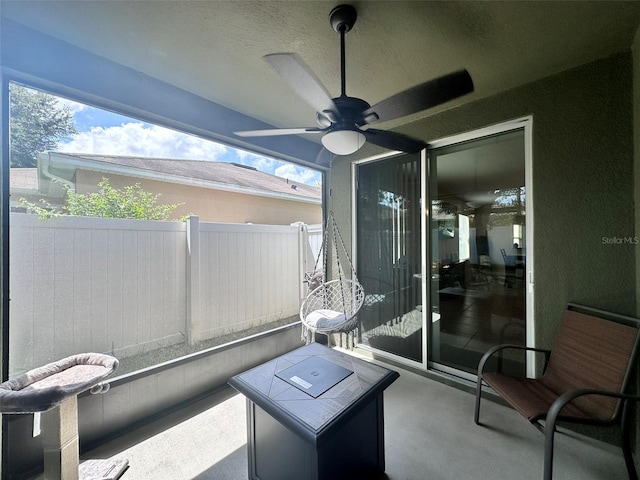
{"x": 342, "y": 19}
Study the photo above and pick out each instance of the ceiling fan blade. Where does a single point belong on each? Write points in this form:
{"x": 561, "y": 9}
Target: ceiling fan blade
{"x": 301, "y": 78}
{"x": 278, "y": 131}
{"x": 393, "y": 140}
{"x": 325, "y": 157}
{"x": 421, "y": 97}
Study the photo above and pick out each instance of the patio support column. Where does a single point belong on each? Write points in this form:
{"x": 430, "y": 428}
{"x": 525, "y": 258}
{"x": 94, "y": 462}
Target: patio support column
{"x": 192, "y": 289}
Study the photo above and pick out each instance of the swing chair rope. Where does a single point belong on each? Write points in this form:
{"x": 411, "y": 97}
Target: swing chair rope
{"x": 322, "y": 253}
{"x": 336, "y": 232}
{"x": 337, "y": 240}
{"x": 340, "y": 272}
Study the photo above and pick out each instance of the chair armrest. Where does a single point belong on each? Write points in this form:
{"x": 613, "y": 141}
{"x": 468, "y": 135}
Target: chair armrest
{"x": 552, "y": 418}
{"x": 489, "y": 353}
{"x": 560, "y": 402}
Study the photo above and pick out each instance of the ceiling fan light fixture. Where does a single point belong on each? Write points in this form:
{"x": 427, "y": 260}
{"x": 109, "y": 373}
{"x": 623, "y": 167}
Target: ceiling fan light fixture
{"x": 343, "y": 142}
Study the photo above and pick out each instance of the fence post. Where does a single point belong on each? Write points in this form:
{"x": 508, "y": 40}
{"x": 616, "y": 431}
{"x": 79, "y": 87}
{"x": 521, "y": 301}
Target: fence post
{"x": 192, "y": 289}
{"x": 303, "y": 243}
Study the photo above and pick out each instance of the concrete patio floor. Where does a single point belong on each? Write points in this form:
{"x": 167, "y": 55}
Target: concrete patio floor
{"x": 430, "y": 435}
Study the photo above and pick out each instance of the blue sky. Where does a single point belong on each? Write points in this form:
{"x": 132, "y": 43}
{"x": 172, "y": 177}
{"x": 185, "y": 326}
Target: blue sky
{"x": 104, "y": 132}
{"x": 88, "y": 117}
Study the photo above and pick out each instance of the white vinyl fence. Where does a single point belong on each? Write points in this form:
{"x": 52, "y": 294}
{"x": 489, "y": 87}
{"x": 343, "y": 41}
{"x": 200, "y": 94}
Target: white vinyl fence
{"x": 128, "y": 286}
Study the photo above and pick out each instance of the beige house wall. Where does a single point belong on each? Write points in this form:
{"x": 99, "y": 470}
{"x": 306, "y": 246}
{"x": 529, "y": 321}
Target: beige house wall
{"x": 212, "y": 205}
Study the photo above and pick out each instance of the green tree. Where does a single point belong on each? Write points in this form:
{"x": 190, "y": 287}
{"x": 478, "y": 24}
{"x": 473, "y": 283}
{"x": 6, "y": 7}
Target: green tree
{"x": 130, "y": 202}
{"x": 38, "y": 123}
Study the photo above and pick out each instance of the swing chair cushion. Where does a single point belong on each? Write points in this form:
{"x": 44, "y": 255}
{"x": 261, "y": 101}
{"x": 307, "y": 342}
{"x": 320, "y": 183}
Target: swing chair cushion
{"x": 325, "y": 319}
{"x": 332, "y": 307}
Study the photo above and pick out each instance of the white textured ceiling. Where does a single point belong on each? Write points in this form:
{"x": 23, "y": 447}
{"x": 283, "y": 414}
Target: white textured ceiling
{"x": 215, "y": 48}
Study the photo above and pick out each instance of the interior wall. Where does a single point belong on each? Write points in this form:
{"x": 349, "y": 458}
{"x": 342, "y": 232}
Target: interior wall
{"x": 583, "y": 184}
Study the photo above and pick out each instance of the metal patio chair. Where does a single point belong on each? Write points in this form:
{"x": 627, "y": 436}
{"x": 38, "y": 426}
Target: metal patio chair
{"x": 585, "y": 380}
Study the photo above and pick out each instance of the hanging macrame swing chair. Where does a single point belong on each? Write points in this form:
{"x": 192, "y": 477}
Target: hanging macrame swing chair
{"x": 332, "y": 306}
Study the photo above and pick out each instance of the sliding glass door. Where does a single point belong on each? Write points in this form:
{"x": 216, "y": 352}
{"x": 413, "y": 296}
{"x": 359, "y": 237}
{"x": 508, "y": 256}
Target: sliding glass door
{"x": 389, "y": 255}
{"x": 444, "y": 250}
{"x": 478, "y": 250}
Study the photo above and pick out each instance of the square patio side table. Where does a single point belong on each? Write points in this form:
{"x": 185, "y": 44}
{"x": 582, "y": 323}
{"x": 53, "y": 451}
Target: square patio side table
{"x": 302, "y": 424}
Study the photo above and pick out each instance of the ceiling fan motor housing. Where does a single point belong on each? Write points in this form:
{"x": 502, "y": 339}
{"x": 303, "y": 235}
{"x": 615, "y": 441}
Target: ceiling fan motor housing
{"x": 350, "y": 110}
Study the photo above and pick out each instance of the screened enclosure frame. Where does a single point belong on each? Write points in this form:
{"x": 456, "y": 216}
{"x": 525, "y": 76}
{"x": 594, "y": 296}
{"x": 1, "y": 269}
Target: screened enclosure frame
{"x": 87, "y": 98}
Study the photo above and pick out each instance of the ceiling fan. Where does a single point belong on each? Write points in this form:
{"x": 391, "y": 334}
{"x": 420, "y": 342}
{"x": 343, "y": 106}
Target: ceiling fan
{"x": 344, "y": 121}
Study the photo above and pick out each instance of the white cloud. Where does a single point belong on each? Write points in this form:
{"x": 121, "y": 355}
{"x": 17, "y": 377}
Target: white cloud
{"x": 298, "y": 174}
{"x": 136, "y": 139}
{"x": 264, "y": 164}
{"x": 279, "y": 168}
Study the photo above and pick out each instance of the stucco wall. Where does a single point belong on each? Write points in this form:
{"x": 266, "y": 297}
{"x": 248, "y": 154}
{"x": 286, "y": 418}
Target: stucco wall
{"x": 582, "y": 182}
{"x": 214, "y": 205}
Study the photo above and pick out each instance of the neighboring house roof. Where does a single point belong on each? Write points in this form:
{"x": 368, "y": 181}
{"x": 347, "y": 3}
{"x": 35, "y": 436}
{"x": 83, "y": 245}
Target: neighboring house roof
{"x": 201, "y": 173}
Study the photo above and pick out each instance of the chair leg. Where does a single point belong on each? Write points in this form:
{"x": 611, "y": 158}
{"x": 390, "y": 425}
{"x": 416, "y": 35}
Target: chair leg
{"x": 626, "y": 443}
{"x": 476, "y": 415}
{"x": 549, "y": 434}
